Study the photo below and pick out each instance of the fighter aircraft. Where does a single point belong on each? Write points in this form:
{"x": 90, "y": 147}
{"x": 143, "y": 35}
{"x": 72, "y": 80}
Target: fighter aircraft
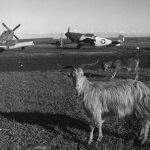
{"x": 7, "y": 42}
{"x": 92, "y": 39}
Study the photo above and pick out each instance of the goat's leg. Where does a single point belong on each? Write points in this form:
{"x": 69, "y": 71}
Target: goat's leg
{"x": 136, "y": 77}
{"x": 91, "y": 134}
{"x": 137, "y": 72}
{"x": 100, "y": 135}
{"x": 144, "y": 132}
{"x": 114, "y": 74}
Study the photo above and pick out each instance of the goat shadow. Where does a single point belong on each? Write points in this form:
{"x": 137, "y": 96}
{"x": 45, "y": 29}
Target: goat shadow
{"x": 63, "y": 121}
{"x": 45, "y": 119}
{"x": 49, "y": 122}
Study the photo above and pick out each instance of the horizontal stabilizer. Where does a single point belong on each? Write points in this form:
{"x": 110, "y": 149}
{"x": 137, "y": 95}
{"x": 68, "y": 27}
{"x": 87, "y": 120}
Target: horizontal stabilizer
{"x": 120, "y": 38}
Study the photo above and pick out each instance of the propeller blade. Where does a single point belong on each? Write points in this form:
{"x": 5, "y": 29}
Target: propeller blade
{"x": 61, "y": 40}
{"x": 5, "y": 26}
{"x": 67, "y": 33}
{"x": 16, "y": 27}
{"x": 68, "y": 29}
{"x": 16, "y": 37}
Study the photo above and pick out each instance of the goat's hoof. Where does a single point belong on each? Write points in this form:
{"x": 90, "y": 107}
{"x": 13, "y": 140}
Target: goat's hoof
{"x": 90, "y": 141}
{"x": 97, "y": 143}
{"x": 141, "y": 138}
{"x": 141, "y": 134}
{"x": 139, "y": 141}
{"x": 99, "y": 139}
{"x": 143, "y": 141}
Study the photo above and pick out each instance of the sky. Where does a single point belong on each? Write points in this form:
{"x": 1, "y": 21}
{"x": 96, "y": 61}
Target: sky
{"x": 55, "y": 16}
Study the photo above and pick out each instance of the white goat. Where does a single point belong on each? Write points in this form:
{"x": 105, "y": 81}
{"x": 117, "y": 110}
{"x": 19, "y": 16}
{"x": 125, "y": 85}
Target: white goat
{"x": 123, "y": 97}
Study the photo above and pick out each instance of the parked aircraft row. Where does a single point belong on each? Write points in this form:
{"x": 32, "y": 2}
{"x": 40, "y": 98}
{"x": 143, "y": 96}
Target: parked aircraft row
{"x": 7, "y": 42}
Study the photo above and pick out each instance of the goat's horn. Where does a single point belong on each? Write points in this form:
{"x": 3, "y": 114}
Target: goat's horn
{"x": 68, "y": 67}
{"x": 59, "y": 65}
{"x": 65, "y": 67}
{"x": 91, "y": 64}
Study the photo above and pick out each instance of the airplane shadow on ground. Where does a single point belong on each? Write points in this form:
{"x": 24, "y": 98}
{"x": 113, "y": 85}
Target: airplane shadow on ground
{"x": 1, "y": 50}
{"x": 62, "y": 121}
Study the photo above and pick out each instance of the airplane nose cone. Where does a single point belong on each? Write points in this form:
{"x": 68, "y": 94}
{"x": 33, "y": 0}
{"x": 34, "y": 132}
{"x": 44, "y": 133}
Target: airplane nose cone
{"x": 66, "y": 34}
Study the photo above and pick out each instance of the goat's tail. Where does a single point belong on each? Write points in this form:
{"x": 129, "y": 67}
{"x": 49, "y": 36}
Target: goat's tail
{"x": 143, "y": 100}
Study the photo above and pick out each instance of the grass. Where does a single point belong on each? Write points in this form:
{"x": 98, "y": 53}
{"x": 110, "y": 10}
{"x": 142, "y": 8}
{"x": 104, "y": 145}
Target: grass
{"x": 40, "y": 110}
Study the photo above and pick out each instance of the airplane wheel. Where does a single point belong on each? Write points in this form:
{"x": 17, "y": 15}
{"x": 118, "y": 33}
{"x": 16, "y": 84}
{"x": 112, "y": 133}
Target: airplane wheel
{"x": 78, "y": 46}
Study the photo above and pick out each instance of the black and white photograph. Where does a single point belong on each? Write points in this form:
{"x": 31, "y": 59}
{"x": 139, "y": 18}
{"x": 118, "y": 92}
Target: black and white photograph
{"x": 75, "y": 74}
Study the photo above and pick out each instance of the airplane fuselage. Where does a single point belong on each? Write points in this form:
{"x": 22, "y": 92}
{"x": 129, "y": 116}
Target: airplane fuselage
{"x": 90, "y": 39}
{"x": 93, "y": 40}
{"x": 101, "y": 41}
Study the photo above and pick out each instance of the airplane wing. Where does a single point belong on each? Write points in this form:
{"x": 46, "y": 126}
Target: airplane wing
{"x": 43, "y": 41}
{"x": 12, "y": 45}
{"x": 21, "y": 45}
{"x": 39, "y": 40}
{"x": 90, "y": 41}
{"x": 87, "y": 39}
{"x": 2, "y": 48}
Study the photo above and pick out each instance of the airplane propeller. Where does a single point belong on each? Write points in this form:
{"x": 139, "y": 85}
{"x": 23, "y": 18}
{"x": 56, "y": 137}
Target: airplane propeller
{"x": 12, "y": 31}
{"x": 68, "y": 33}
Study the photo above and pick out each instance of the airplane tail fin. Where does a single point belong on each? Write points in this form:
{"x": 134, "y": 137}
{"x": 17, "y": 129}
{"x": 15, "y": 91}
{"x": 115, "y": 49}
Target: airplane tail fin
{"x": 120, "y": 38}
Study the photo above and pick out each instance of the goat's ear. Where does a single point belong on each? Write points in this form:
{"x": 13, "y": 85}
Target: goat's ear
{"x": 81, "y": 71}
{"x": 75, "y": 69}
{"x": 65, "y": 74}
{"x": 70, "y": 75}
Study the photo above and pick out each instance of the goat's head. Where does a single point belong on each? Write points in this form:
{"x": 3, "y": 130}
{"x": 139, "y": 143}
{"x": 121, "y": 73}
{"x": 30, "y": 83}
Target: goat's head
{"x": 77, "y": 72}
{"x": 107, "y": 65}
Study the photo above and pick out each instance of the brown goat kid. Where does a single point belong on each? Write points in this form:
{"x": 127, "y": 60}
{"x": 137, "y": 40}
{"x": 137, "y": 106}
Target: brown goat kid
{"x": 130, "y": 64}
{"x": 122, "y": 98}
